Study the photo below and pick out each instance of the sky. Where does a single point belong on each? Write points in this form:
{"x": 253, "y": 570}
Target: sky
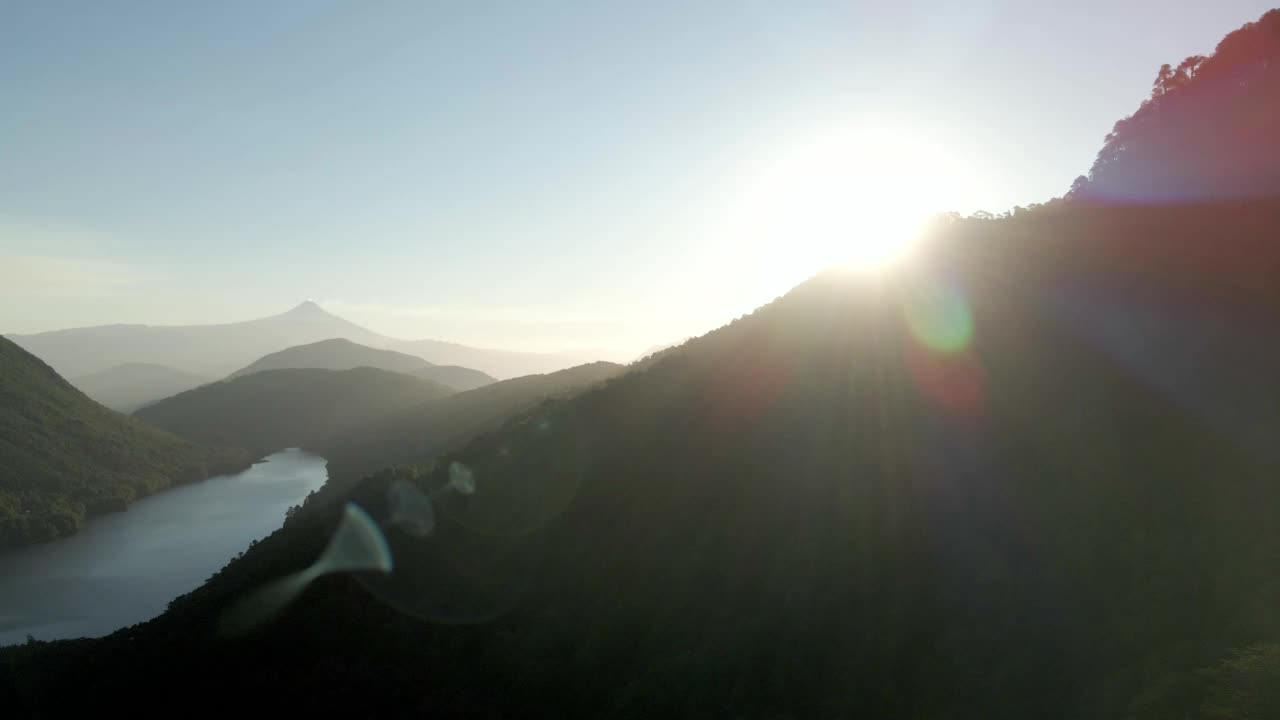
{"x": 528, "y": 175}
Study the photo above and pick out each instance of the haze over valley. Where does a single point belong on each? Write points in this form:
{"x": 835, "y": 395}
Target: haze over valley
{"x": 219, "y": 350}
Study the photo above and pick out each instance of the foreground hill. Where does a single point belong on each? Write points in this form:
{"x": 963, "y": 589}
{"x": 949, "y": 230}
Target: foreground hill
{"x": 421, "y": 432}
{"x": 275, "y": 409}
{"x": 340, "y": 354}
{"x": 219, "y": 350}
{"x": 129, "y": 386}
{"x": 64, "y": 458}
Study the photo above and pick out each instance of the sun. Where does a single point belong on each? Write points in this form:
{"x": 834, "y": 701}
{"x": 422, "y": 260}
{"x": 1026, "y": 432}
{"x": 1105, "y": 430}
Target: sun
{"x": 851, "y": 197}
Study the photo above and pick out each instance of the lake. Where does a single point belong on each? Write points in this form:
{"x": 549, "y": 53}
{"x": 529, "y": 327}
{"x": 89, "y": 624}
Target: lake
{"x": 124, "y": 568}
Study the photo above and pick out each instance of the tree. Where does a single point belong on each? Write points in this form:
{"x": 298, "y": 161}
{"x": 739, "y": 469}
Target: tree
{"x": 1161, "y": 84}
{"x": 1079, "y": 186}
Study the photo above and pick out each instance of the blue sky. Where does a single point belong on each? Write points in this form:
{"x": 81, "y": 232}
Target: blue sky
{"x": 527, "y": 175}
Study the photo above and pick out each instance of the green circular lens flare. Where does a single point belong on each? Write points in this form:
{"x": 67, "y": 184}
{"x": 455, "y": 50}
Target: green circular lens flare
{"x": 939, "y": 317}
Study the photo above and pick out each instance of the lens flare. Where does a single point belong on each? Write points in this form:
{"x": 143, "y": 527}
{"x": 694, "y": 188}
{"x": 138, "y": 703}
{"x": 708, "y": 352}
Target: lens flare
{"x": 410, "y": 509}
{"x": 939, "y": 317}
{"x": 356, "y": 546}
{"x": 942, "y": 361}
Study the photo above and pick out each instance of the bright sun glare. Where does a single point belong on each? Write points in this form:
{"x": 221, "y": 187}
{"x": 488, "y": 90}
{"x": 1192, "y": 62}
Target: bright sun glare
{"x": 853, "y": 198}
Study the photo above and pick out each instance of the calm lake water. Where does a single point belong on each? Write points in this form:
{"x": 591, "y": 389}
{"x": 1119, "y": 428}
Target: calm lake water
{"x": 124, "y": 568}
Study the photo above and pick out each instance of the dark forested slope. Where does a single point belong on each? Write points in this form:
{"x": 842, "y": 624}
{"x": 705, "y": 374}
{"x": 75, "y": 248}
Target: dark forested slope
{"x": 64, "y": 457}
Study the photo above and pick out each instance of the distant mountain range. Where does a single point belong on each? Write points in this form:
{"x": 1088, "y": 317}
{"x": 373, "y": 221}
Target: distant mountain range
{"x": 219, "y": 350}
{"x": 129, "y": 386}
{"x": 360, "y": 419}
{"x": 501, "y": 364}
{"x": 64, "y": 457}
{"x": 341, "y": 354}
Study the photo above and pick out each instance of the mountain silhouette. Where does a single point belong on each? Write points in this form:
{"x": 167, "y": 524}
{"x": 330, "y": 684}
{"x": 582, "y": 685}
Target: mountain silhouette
{"x": 210, "y": 350}
{"x": 308, "y": 309}
{"x": 64, "y": 458}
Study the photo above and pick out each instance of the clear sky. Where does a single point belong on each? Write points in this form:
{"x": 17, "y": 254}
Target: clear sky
{"x": 530, "y": 175}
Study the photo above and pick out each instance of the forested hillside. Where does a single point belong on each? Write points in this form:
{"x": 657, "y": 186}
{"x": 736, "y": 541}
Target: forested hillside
{"x": 64, "y": 457}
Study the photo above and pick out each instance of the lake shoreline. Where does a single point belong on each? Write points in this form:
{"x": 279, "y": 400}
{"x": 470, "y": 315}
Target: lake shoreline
{"x": 123, "y": 568}
{"x": 115, "y": 506}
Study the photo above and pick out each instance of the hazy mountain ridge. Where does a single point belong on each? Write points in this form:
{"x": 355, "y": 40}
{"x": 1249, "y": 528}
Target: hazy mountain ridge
{"x": 501, "y": 364}
{"x": 455, "y": 376}
{"x": 341, "y": 354}
{"x": 219, "y": 350}
{"x": 275, "y": 409}
{"x": 64, "y": 458}
{"x": 334, "y": 354}
{"x": 129, "y": 386}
